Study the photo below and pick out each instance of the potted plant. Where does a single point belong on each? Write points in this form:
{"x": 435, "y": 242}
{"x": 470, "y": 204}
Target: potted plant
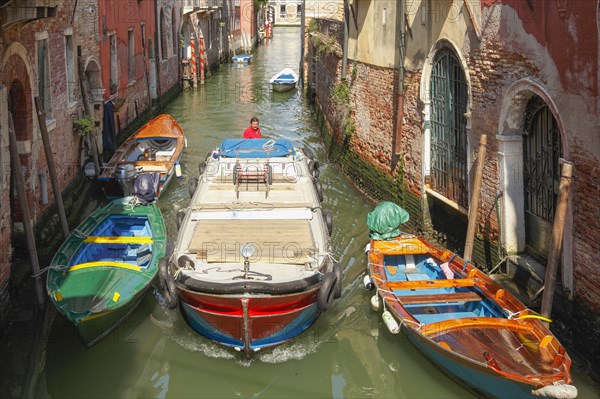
{"x": 84, "y": 125}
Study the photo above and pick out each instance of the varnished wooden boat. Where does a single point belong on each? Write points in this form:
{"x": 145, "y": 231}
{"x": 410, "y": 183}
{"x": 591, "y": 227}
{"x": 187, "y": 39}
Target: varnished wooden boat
{"x": 105, "y": 267}
{"x": 263, "y": 193}
{"x": 156, "y": 147}
{"x": 466, "y": 323}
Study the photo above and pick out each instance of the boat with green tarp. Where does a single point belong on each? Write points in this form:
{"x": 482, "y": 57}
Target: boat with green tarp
{"x": 105, "y": 267}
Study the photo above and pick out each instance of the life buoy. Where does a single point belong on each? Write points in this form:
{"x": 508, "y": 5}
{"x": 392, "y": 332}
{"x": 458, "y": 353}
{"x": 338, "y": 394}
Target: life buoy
{"x": 337, "y": 291}
{"x": 313, "y": 169}
{"x": 167, "y": 283}
{"x": 319, "y": 189}
{"x": 193, "y": 185}
{"x": 326, "y": 292}
{"x": 328, "y": 216}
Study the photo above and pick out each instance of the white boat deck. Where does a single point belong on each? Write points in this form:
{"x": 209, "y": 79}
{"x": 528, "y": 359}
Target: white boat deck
{"x": 290, "y": 239}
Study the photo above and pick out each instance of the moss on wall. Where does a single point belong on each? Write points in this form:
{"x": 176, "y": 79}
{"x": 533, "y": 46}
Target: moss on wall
{"x": 448, "y": 229}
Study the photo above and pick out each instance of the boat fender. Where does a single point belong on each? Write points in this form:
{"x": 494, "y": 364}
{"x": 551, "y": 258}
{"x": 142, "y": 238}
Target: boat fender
{"x": 313, "y": 169}
{"x": 368, "y": 283}
{"x": 562, "y": 391}
{"x": 319, "y": 189}
{"x": 337, "y": 270}
{"x": 178, "y": 169}
{"x": 167, "y": 283}
{"x": 326, "y": 292}
{"x": 308, "y": 153}
{"x": 179, "y": 217}
{"x": 328, "y": 216}
{"x": 193, "y": 185}
{"x": 185, "y": 262}
{"x": 376, "y": 304}
{"x": 390, "y": 322}
{"x": 367, "y": 248}
{"x": 269, "y": 174}
{"x": 201, "y": 167}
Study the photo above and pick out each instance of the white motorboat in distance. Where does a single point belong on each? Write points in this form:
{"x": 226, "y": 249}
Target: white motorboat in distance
{"x": 284, "y": 80}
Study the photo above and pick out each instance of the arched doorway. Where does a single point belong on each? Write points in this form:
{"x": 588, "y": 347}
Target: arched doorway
{"x": 94, "y": 81}
{"x": 530, "y": 141}
{"x": 17, "y": 106}
{"x": 542, "y": 150}
{"x": 448, "y": 145}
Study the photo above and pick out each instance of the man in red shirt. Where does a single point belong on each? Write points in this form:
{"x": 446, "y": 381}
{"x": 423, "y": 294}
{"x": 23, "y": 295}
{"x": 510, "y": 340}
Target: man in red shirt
{"x": 252, "y": 131}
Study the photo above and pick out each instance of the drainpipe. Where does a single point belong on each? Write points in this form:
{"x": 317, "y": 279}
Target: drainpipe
{"x": 402, "y": 47}
{"x": 302, "y": 38}
{"x": 157, "y": 53}
{"x": 345, "y": 43}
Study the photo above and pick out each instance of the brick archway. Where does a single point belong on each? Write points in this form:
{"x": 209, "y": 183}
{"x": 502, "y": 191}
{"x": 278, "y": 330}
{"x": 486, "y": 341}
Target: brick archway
{"x": 16, "y": 78}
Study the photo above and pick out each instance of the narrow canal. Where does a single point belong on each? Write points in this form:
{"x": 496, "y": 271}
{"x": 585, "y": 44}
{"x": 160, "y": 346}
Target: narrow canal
{"x": 348, "y": 353}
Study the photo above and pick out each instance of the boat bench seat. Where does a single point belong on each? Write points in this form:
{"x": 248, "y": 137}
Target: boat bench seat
{"x": 153, "y": 168}
{"x": 425, "y": 284}
{"x": 439, "y": 298}
{"x": 428, "y": 318}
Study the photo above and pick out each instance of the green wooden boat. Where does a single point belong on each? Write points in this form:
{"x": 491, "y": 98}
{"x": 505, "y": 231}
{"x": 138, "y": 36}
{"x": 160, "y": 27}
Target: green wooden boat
{"x": 102, "y": 271}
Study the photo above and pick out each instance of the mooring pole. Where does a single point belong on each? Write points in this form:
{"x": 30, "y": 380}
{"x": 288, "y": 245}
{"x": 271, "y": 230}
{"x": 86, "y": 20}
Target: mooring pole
{"x": 474, "y": 206}
{"x": 52, "y": 168}
{"x": 31, "y": 247}
{"x": 557, "y": 236}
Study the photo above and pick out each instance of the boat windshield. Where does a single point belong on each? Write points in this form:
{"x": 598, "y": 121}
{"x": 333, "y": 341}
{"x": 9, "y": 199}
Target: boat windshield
{"x": 256, "y": 148}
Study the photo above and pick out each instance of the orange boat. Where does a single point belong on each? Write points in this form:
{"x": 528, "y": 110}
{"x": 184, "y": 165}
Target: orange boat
{"x": 155, "y": 148}
{"x": 466, "y": 323}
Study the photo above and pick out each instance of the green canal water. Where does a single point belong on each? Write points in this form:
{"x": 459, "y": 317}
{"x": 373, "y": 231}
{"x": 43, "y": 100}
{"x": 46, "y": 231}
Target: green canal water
{"x": 348, "y": 353}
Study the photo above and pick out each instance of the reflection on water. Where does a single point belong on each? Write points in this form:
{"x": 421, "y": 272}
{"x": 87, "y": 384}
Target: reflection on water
{"x": 346, "y": 354}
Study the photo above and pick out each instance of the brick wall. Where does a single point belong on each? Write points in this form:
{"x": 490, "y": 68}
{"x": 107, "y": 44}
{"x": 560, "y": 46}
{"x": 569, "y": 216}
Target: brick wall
{"x": 581, "y": 315}
{"x": 22, "y": 66}
{"x": 366, "y": 156}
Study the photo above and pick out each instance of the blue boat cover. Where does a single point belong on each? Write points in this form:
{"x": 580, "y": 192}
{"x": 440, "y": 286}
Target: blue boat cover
{"x": 256, "y": 148}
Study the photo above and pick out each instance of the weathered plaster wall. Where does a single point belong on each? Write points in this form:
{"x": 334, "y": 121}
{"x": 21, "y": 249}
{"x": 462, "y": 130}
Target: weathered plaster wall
{"x": 378, "y": 44}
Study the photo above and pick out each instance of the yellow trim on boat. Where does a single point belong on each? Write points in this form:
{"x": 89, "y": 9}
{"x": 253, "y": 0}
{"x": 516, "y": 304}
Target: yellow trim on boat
{"x": 95, "y": 316}
{"x": 118, "y": 240}
{"x": 535, "y": 316}
{"x": 121, "y": 265}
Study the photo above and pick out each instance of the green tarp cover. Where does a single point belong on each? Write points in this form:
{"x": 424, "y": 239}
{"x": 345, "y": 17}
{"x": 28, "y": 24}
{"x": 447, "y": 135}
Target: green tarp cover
{"x": 384, "y": 221}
